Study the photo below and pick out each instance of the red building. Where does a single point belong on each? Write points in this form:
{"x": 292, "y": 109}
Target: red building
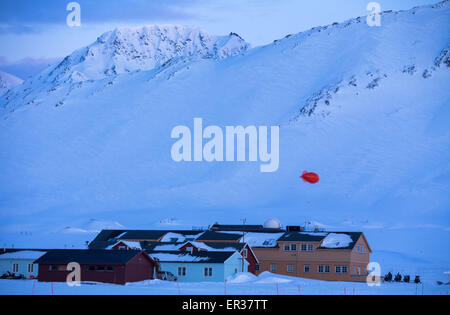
{"x": 107, "y": 266}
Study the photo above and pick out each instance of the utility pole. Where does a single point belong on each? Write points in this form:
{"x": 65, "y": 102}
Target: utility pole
{"x": 243, "y": 241}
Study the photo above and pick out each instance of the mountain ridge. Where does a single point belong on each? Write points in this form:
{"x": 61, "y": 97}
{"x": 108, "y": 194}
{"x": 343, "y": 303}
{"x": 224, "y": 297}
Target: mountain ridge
{"x": 8, "y": 81}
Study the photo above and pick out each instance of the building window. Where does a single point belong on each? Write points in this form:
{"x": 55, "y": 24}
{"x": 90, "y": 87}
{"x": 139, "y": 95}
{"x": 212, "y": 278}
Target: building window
{"x": 30, "y": 268}
{"x": 341, "y": 269}
{"x": 110, "y": 268}
{"x": 307, "y": 247}
{"x": 307, "y": 268}
{"x": 101, "y": 268}
{"x": 290, "y": 247}
{"x": 189, "y": 249}
{"x": 323, "y": 269}
{"x": 53, "y": 268}
{"x": 15, "y": 268}
{"x": 207, "y": 272}
{"x": 122, "y": 248}
{"x": 181, "y": 271}
{"x": 273, "y": 267}
{"x": 245, "y": 253}
{"x": 359, "y": 271}
{"x": 354, "y": 270}
{"x": 290, "y": 268}
{"x": 91, "y": 268}
{"x": 257, "y": 267}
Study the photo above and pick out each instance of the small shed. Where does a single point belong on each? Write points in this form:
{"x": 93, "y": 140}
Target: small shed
{"x": 20, "y": 263}
{"x": 108, "y": 266}
{"x": 201, "y": 266}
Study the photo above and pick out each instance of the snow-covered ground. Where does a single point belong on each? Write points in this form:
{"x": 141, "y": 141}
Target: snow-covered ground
{"x": 242, "y": 284}
{"x": 8, "y": 81}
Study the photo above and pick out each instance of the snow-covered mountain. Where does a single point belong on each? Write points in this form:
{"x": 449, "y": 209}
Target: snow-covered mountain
{"x": 130, "y": 50}
{"x": 126, "y": 50}
{"x": 364, "y": 107}
{"x": 8, "y": 81}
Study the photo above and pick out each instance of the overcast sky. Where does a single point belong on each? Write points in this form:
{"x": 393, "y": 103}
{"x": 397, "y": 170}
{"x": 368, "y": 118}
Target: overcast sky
{"x": 35, "y": 33}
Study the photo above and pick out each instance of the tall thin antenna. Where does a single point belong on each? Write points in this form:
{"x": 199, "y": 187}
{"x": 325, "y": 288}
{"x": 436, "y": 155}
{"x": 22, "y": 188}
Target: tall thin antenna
{"x": 243, "y": 230}
{"x": 243, "y": 240}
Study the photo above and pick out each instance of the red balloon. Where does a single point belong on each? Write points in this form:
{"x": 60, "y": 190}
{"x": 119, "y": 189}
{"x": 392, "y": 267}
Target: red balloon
{"x": 311, "y": 178}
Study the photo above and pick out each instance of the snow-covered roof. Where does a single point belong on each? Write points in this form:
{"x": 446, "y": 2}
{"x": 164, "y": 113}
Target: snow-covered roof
{"x": 167, "y": 247}
{"x": 25, "y": 254}
{"x": 197, "y": 257}
{"x": 255, "y": 239}
{"x": 179, "y": 237}
{"x": 199, "y": 245}
{"x": 130, "y": 244}
{"x": 181, "y": 257}
{"x": 334, "y": 240}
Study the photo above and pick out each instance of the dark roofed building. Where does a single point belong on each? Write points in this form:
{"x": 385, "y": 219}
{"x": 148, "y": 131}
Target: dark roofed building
{"x": 302, "y": 237}
{"x": 107, "y": 238}
{"x": 107, "y": 266}
{"x": 215, "y": 236}
{"x": 243, "y": 228}
{"x": 143, "y": 235}
{"x": 226, "y": 245}
{"x": 161, "y": 246}
{"x": 155, "y": 235}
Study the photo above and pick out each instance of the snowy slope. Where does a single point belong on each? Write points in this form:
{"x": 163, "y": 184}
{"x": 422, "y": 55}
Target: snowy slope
{"x": 8, "y": 81}
{"x": 365, "y": 108}
{"x": 241, "y": 284}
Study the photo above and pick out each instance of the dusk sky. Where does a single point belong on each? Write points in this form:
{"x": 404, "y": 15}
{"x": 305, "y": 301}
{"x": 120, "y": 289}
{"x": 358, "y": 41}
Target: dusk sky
{"x": 34, "y": 34}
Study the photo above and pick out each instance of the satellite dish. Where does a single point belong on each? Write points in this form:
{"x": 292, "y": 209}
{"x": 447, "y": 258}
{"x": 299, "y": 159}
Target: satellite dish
{"x": 272, "y": 223}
